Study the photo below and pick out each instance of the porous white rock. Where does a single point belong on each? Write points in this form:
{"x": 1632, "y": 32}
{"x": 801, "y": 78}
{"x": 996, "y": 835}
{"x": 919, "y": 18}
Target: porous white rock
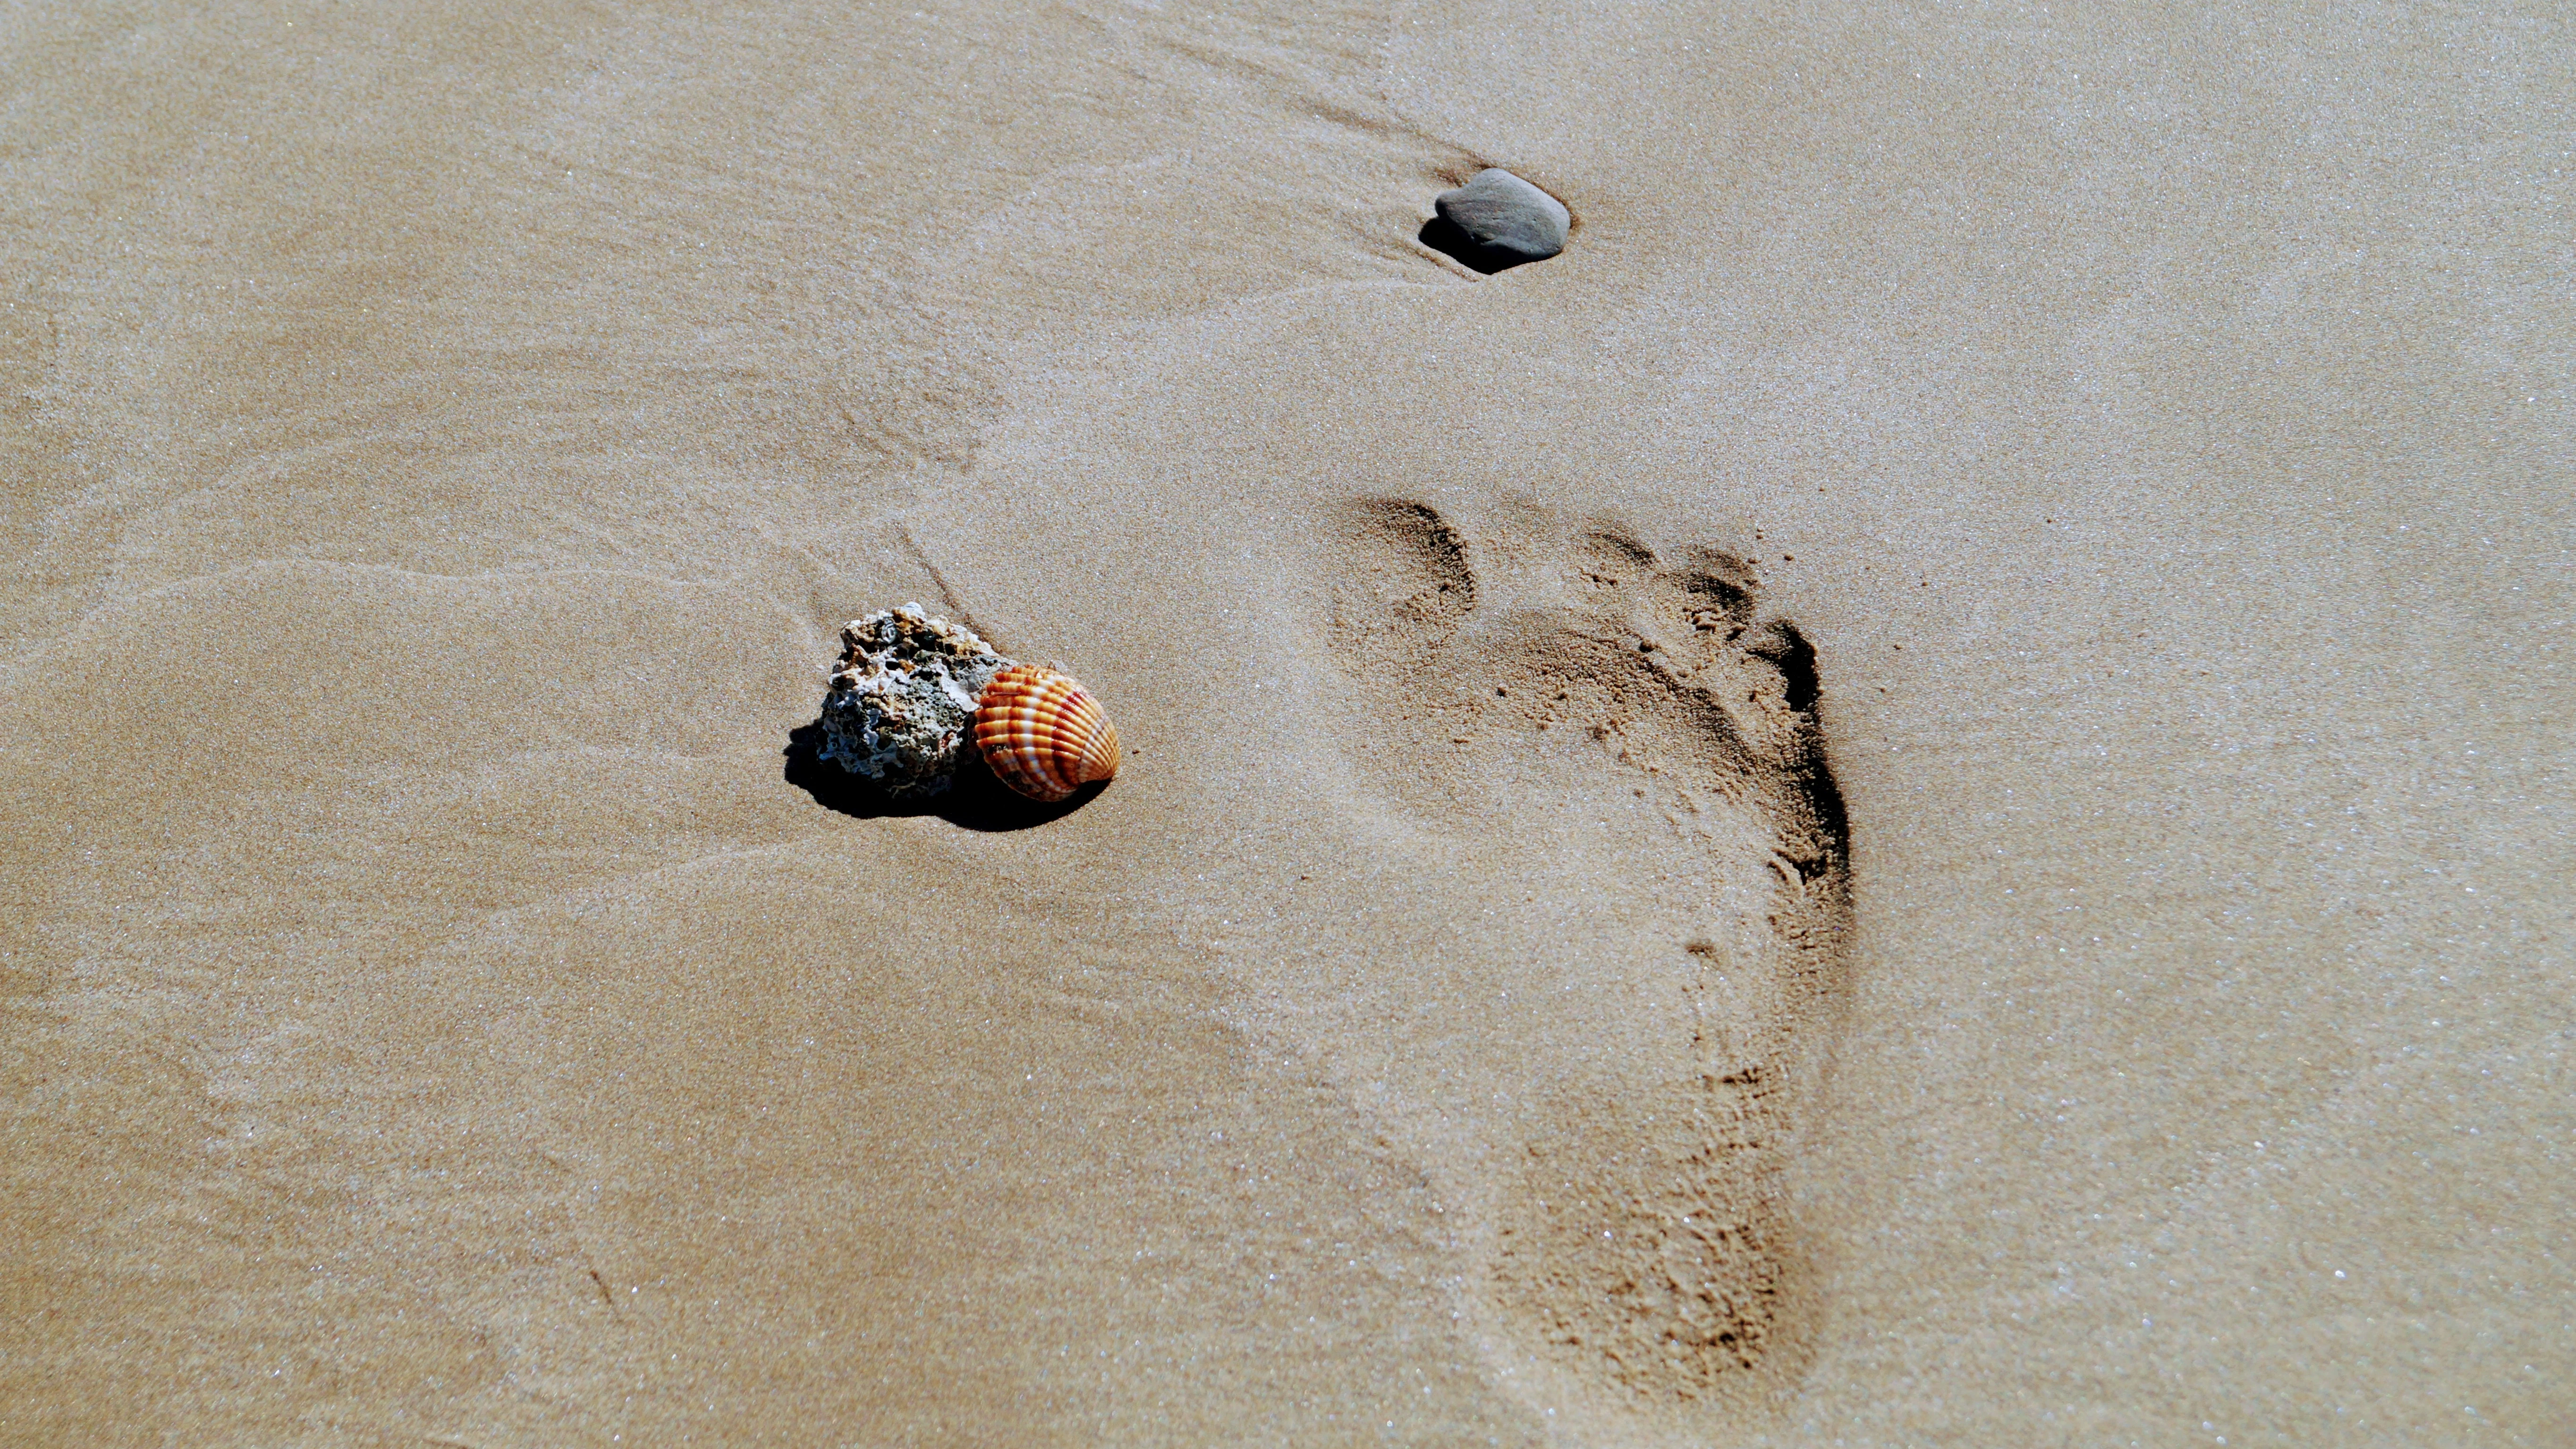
{"x": 900, "y": 707}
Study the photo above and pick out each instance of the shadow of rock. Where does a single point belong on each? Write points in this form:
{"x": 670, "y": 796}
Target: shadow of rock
{"x": 976, "y": 802}
{"x": 1451, "y": 240}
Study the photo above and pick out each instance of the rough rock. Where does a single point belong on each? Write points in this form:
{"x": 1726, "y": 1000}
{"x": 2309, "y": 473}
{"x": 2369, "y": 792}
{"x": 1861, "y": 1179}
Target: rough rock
{"x": 900, "y": 707}
{"x": 1502, "y": 213}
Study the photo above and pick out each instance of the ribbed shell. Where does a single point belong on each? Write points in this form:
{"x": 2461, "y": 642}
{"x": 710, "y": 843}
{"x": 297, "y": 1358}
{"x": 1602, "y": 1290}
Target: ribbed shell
{"x": 1043, "y": 734}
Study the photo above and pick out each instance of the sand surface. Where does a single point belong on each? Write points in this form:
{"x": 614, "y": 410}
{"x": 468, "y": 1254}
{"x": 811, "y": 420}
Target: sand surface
{"x": 1920, "y": 795}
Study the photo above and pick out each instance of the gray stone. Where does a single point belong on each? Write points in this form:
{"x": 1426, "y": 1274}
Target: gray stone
{"x": 900, "y": 708}
{"x": 1500, "y": 211}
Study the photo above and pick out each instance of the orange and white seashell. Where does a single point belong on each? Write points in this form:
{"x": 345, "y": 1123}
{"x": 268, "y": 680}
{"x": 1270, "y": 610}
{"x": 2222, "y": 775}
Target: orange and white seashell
{"x": 1043, "y": 734}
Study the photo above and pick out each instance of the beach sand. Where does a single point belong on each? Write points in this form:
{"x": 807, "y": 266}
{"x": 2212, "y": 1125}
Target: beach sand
{"x": 1919, "y": 795}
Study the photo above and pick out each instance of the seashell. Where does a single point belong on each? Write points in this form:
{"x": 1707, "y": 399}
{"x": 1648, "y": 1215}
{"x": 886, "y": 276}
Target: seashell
{"x": 1043, "y": 734}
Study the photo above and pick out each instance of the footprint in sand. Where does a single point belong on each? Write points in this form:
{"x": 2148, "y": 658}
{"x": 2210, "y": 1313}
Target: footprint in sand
{"x": 1526, "y": 670}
